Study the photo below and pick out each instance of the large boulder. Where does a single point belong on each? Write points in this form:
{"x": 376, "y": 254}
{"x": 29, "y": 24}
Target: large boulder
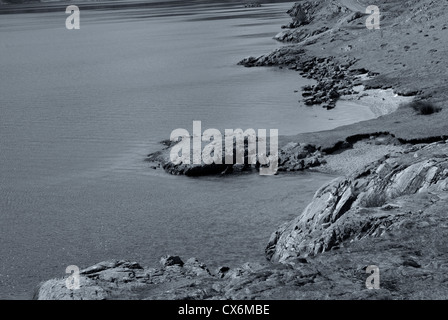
{"x": 128, "y": 280}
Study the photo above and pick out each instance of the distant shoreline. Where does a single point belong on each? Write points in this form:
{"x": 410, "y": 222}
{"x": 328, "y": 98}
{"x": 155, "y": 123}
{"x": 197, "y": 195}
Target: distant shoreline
{"x": 59, "y": 5}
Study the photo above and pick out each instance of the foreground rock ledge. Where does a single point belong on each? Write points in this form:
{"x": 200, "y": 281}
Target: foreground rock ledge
{"x": 391, "y": 214}
{"x": 368, "y": 202}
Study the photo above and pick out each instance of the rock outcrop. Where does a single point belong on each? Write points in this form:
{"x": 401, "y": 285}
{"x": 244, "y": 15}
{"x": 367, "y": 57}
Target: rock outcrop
{"x": 301, "y": 13}
{"x": 366, "y": 203}
{"x": 299, "y": 156}
{"x": 292, "y": 157}
{"x": 126, "y": 280}
{"x": 334, "y": 79}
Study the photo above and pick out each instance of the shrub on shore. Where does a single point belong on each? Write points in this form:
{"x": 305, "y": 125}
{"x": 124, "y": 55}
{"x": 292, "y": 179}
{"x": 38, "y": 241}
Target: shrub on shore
{"x": 424, "y": 107}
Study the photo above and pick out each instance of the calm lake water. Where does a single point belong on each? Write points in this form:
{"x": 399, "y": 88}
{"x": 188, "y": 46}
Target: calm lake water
{"x": 80, "y": 110}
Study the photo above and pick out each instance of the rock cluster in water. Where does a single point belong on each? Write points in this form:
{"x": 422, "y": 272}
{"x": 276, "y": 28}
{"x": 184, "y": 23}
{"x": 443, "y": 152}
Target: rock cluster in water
{"x": 292, "y": 157}
{"x": 333, "y": 79}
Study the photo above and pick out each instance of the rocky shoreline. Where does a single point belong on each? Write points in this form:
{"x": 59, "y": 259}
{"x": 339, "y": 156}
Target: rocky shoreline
{"x": 391, "y": 213}
{"x": 340, "y": 70}
{"x": 333, "y": 79}
{"x": 387, "y": 208}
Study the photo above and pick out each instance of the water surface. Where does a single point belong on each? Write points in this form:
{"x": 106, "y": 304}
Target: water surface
{"x": 80, "y": 109}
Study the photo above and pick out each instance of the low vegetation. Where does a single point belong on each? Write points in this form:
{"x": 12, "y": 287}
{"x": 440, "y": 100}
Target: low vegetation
{"x": 424, "y": 107}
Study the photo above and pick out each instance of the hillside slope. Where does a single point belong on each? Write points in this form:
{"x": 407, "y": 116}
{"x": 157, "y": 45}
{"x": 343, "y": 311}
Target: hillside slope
{"x": 408, "y": 54}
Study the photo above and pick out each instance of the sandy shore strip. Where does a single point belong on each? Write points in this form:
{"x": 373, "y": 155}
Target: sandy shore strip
{"x": 379, "y": 101}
